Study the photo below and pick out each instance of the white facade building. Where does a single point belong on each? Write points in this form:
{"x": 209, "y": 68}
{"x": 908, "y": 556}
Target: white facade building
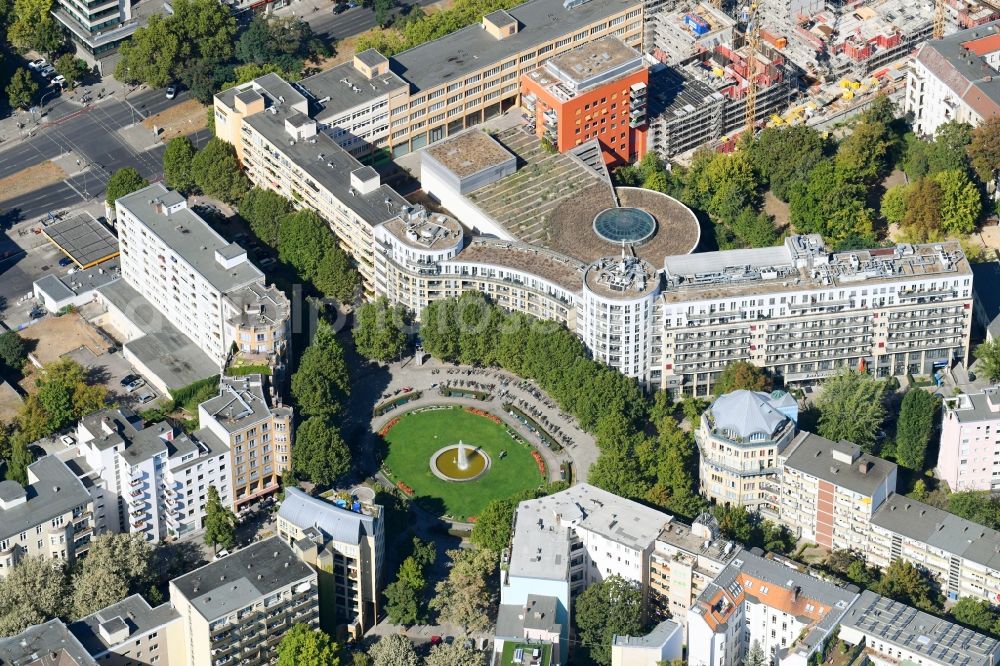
{"x": 188, "y": 272}
{"x": 955, "y": 79}
{"x": 969, "y": 455}
{"x": 154, "y": 480}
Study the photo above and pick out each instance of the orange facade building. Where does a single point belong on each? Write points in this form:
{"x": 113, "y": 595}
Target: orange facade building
{"x": 596, "y": 91}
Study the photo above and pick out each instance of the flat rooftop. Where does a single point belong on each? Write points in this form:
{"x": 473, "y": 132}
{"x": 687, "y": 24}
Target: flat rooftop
{"x": 188, "y": 236}
{"x": 540, "y": 546}
{"x": 975, "y": 407}
{"x": 470, "y": 152}
{"x": 470, "y": 49}
{"x": 594, "y": 62}
{"x": 60, "y": 287}
{"x": 83, "y": 239}
{"x": 242, "y": 578}
{"x": 425, "y": 231}
{"x": 840, "y": 463}
{"x": 561, "y": 270}
{"x": 134, "y": 611}
{"x": 802, "y": 262}
{"x": 916, "y": 631}
{"x": 164, "y": 350}
{"x": 329, "y": 165}
{"x": 342, "y": 88}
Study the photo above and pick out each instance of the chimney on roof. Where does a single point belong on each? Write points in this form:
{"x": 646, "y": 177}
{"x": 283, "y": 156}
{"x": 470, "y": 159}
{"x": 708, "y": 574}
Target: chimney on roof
{"x": 795, "y": 593}
{"x": 864, "y": 466}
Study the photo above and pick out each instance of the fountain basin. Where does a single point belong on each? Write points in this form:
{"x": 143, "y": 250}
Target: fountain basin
{"x": 445, "y": 464}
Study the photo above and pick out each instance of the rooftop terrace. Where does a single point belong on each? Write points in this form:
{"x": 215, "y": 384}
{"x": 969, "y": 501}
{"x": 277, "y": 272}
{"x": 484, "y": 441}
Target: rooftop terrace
{"x": 469, "y": 153}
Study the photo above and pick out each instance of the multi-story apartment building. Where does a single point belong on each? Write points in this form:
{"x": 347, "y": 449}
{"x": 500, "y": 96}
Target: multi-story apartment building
{"x": 256, "y": 432}
{"x": 894, "y": 633}
{"x": 804, "y": 313}
{"x": 664, "y": 644}
{"x": 200, "y": 283}
{"x": 684, "y": 561}
{"x": 51, "y": 517}
{"x": 260, "y": 325}
{"x": 757, "y": 600}
{"x": 969, "y": 454}
{"x": 596, "y": 91}
{"x": 45, "y": 644}
{"x": 963, "y": 556}
{"x": 740, "y": 438}
{"x": 236, "y": 609}
{"x": 129, "y": 632}
{"x": 564, "y": 542}
{"x": 346, "y": 545}
{"x": 152, "y": 480}
{"x": 955, "y": 79}
{"x": 831, "y": 490}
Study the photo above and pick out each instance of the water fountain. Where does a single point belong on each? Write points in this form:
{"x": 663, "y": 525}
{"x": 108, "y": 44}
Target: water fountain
{"x": 459, "y": 462}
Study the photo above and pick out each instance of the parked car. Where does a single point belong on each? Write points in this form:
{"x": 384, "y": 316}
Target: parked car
{"x": 268, "y": 261}
{"x": 146, "y": 397}
{"x": 65, "y": 261}
{"x": 128, "y": 379}
{"x": 67, "y": 440}
{"x": 59, "y": 80}
{"x": 340, "y": 8}
{"x": 171, "y": 92}
{"x": 36, "y": 65}
{"x": 48, "y": 71}
{"x": 136, "y": 383}
{"x": 436, "y": 640}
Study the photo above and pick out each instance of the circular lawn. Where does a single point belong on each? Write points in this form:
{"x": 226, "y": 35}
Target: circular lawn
{"x": 413, "y": 439}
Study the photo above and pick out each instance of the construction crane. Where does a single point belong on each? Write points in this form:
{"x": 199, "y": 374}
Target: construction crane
{"x": 753, "y": 41}
{"x": 939, "y": 19}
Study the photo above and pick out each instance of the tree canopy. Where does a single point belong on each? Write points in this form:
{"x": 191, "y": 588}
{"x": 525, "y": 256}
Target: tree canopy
{"x": 122, "y": 182}
{"x": 605, "y": 609}
{"x": 988, "y": 359}
{"x": 380, "y": 330}
{"x": 453, "y": 654}
{"x": 177, "y": 164}
{"x": 321, "y": 384}
{"x": 742, "y": 375}
{"x": 465, "y": 597}
{"x": 306, "y": 242}
{"x": 404, "y": 597}
{"x": 984, "y": 149}
{"x": 393, "y": 650}
{"x": 319, "y": 452}
{"x": 917, "y": 416}
{"x": 220, "y": 522}
{"x": 217, "y": 173}
{"x": 304, "y": 646}
{"x": 263, "y": 210}
{"x": 21, "y": 89}
{"x": 851, "y": 407}
{"x": 116, "y": 566}
{"x": 33, "y": 592}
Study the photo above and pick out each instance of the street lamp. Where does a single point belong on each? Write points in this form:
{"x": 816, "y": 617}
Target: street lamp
{"x": 41, "y": 103}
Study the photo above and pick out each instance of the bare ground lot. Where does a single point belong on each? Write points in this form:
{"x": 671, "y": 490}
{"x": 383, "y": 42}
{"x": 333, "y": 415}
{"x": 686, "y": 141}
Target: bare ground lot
{"x": 55, "y": 337}
{"x": 181, "y": 120}
{"x": 31, "y": 179}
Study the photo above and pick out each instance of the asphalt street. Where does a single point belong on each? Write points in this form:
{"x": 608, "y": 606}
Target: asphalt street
{"x": 92, "y": 135}
{"x": 338, "y": 26}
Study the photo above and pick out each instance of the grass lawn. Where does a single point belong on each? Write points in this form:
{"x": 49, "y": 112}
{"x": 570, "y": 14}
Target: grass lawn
{"x": 416, "y": 437}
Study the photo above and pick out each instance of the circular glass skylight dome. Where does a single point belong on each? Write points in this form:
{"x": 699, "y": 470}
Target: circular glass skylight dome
{"x": 630, "y": 225}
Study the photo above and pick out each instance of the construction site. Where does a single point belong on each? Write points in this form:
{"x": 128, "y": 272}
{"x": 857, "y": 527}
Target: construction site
{"x": 720, "y": 70}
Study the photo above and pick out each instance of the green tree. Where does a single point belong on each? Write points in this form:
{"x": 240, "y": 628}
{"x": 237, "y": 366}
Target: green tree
{"x": 904, "y": 582}
{"x": 284, "y": 42}
{"x": 439, "y": 329}
{"x": 606, "y": 609}
{"x": 382, "y": 9}
{"x": 977, "y": 614}
{"x": 979, "y": 506}
{"x": 319, "y": 452}
{"x": 866, "y": 153}
{"x": 303, "y": 645}
{"x": 851, "y": 407}
{"x": 72, "y": 68}
{"x": 404, "y": 603}
{"x": 116, "y": 566}
{"x": 335, "y": 275}
{"x": 216, "y": 171}
{"x": 206, "y": 30}
{"x": 961, "y": 203}
{"x": 177, "y": 161}
{"x": 742, "y": 375}
{"x": 34, "y": 28}
{"x": 914, "y": 428}
{"x": 13, "y": 353}
{"x": 220, "y": 522}
{"x": 893, "y": 207}
{"x": 379, "y": 333}
{"x": 56, "y": 385}
{"x": 122, "y": 182}
{"x": 785, "y": 155}
{"x": 735, "y": 522}
{"x": 453, "y": 654}
{"x": 984, "y": 149}
{"x": 988, "y": 359}
{"x": 831, "y": 203}
{"x": 755, "y": 655}
{"x": 263, "y": 211}
{"x": 321, "y": 384}
{"x": 921, "y": 222}
{"x": 33, "y": 592}
{"x": 152, "y": 55}
{"x": 21, "y": 89}
{"x": 464, "y": 597}
{"x": 393, "y": 650}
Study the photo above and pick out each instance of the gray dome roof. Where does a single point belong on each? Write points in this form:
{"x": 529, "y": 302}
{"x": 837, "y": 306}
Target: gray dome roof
{"x": 744, "y": 413}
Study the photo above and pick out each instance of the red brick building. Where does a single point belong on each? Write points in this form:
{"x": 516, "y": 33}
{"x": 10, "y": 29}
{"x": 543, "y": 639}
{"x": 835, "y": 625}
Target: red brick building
{"x": 596, "y": 91}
